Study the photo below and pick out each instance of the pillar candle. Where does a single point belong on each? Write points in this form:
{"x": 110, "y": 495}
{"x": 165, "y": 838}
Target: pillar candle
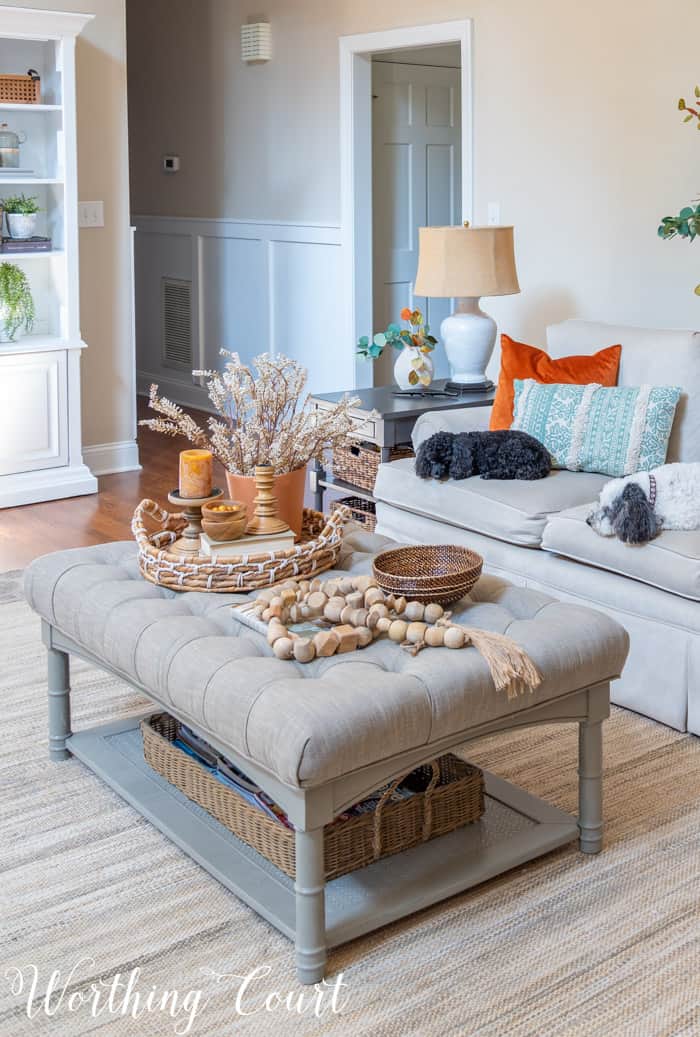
{"x": 196, "y": 467}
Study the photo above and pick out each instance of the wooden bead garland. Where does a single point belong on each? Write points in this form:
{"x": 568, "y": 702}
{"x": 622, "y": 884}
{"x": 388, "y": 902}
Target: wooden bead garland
{"x": 357, "y": 611}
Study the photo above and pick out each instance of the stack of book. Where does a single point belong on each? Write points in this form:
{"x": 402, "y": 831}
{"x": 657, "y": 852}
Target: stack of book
{"x": 220, "y": 550}
{"x": 35, "y": 244}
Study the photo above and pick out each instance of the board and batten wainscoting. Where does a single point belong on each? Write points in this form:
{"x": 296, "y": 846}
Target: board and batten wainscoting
{"x": 249, "y": 287}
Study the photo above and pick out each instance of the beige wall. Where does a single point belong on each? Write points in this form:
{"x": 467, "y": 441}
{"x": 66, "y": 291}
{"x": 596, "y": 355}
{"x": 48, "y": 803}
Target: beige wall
{"x": 105, "y": 264}
{"x": 576, "y": 134}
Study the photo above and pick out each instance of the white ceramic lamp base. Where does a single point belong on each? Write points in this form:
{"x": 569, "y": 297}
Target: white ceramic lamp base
{"x": 469, "y": 336}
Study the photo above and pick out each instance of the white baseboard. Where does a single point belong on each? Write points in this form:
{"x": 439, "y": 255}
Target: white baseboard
{"x": 46, "y": 485}
{"x": 185, "y": 392}
{"x": 112, "y": 458}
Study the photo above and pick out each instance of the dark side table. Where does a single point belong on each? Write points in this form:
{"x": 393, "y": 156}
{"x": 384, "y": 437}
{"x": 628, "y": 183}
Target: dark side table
{"x": 386, "y": 419}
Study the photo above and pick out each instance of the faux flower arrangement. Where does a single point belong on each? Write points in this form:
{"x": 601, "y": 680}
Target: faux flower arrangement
{"x": 416, "y": 338}
{"x": 264, "y": 416}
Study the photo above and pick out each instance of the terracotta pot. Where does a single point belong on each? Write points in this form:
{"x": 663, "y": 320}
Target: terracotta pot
{"x": 289, "y": 490}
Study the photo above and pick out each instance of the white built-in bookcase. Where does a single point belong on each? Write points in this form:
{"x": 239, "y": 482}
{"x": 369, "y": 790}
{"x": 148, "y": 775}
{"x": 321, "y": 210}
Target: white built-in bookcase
{"x": 40, "y": 439}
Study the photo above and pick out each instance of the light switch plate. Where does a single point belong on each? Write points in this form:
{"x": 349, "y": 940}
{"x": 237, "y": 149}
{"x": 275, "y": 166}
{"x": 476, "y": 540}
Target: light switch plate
{"x": 91, "y": 214}
{"x": 494, "y": 214}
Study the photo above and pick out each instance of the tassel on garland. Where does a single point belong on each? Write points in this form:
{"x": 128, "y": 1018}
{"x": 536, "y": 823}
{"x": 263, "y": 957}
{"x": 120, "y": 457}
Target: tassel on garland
{"x": 512, "y": 670}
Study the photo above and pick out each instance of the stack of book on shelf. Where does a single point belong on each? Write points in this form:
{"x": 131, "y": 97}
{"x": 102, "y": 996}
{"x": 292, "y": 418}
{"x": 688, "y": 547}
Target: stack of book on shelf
{"x": 35, "y": 244}
{"x": 228, "y": 774}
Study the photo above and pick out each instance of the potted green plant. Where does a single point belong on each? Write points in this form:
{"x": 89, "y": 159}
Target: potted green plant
{"x": 16, "y": 302}
{"x": 413, "y": 344}
{"x": 21, "y": 212}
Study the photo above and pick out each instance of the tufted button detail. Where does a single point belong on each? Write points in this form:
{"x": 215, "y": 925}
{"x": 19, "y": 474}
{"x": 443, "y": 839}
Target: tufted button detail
{"x": 307, "y": 724}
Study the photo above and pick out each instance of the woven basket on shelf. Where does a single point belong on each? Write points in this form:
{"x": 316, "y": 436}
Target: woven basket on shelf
{"x": 20, "y": 89}
{"x": 357, "y": 463}
{"x": 453, "y": 796}
{"x": 361, "y": 510}
{"x": 443, "y": 573}
{"x": 318, "y": 550}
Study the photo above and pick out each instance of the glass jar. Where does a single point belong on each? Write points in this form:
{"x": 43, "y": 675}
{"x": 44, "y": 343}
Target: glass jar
{"x": 9, "y": 147}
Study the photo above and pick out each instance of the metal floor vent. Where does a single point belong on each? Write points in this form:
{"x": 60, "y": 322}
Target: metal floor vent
{"x": 176, "y": 299}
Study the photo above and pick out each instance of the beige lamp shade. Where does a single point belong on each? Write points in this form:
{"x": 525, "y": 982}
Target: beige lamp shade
{"x": 466, "y": 262}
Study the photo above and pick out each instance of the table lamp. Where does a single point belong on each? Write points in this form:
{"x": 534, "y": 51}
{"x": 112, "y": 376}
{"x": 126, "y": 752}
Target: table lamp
{"x": 465, "y": 263}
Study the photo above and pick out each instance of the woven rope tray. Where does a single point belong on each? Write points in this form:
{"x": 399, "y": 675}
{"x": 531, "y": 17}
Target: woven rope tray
{"x": 317, "y": 551}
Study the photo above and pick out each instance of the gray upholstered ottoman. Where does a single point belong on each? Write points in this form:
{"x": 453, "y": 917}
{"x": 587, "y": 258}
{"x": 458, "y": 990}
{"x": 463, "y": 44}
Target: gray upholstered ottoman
{"x": 318, "y": 737}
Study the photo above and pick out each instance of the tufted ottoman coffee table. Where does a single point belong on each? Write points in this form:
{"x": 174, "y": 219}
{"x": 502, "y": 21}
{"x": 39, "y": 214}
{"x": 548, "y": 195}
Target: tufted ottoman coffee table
{"x": 319, "y": 737}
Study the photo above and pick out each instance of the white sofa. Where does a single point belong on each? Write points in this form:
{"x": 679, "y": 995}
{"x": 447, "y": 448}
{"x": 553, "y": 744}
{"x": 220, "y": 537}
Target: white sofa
{"x": 534, "y": 533}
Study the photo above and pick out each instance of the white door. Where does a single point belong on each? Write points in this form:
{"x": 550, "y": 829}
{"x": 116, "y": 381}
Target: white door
{"x": 33, "y": 412}
{"x": 416, "y": 182}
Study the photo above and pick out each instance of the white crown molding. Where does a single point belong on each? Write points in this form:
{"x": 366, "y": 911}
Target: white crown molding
{"x": 111, "y": 458}
{"x": 32, "y": 24}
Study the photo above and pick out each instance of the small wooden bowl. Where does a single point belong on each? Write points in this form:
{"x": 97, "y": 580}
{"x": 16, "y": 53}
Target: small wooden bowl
{"x": 224, "y": 525}
{"x": 442, "y": 573}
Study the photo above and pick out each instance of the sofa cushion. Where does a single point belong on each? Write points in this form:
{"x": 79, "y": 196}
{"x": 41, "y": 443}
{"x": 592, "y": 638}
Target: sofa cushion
{"x": 521, "y": 361}
{"x": 648, "y": 357}
{"x": 467, "y": 419}
{"x": 589, "y": 428}
{"x": 671, "y": 562}
{"x": 510, "y": 509}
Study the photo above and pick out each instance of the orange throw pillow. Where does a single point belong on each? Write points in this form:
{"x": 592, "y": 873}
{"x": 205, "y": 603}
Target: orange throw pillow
{"x": 521, "y": 361}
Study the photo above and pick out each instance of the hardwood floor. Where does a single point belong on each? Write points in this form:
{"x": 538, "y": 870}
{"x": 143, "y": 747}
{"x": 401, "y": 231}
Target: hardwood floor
{"x": 36, "y": 529}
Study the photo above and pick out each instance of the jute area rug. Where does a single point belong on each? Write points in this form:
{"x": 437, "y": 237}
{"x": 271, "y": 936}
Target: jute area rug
{"x": 567, "y": 946}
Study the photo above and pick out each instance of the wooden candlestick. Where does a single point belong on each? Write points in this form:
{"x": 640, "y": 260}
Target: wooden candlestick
{"x": 266, "y": 518}
{"x": 188, "y": 544}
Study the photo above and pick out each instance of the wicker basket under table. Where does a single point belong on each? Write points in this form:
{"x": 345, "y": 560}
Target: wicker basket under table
{"x": 358, "y": 463}
{"x": 453, "y": 797}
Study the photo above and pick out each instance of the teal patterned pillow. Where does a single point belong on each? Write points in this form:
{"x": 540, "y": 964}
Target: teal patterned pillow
{"x": 588, "y": 428}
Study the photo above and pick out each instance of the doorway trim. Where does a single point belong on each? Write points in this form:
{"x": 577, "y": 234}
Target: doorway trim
{"x": 356, "y": 158}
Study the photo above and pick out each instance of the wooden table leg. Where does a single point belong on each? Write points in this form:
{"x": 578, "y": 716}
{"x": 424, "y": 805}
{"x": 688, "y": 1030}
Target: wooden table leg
{"x": 59, "y": 703}
{"x": 590, "y": 785}
{"x": 310, "y": 890}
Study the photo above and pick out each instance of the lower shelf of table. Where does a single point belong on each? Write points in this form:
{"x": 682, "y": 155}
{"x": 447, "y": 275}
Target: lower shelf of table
{"x": 329, "y": 482}
{"x": 516, "y": 827}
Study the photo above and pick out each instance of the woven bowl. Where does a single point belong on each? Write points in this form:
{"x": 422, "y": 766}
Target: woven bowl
{"x": 224, "y": 525}
{"x": 443, "y": 573}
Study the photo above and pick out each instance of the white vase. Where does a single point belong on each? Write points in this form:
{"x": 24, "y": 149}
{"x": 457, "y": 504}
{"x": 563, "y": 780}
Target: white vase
{"x": 404, "y": 365}
{"x": 21, "y": 225}
{"x": 469, "y": 336}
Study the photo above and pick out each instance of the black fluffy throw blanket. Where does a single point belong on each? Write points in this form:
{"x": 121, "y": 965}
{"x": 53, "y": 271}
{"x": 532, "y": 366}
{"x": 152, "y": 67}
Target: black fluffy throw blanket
{"x": 504, "y": 454}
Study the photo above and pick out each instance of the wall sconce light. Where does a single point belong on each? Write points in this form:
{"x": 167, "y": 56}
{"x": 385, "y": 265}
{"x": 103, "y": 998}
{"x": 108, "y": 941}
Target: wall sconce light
{"x": 256, "y": 41}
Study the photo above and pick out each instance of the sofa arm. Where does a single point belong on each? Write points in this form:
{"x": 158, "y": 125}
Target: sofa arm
{"x": 469, "y": 419}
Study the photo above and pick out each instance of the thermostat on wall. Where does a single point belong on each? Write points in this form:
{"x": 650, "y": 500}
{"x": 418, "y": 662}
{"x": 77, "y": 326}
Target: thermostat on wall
{"x": 171, "y": 163}
{"x": 256, "y": 41}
